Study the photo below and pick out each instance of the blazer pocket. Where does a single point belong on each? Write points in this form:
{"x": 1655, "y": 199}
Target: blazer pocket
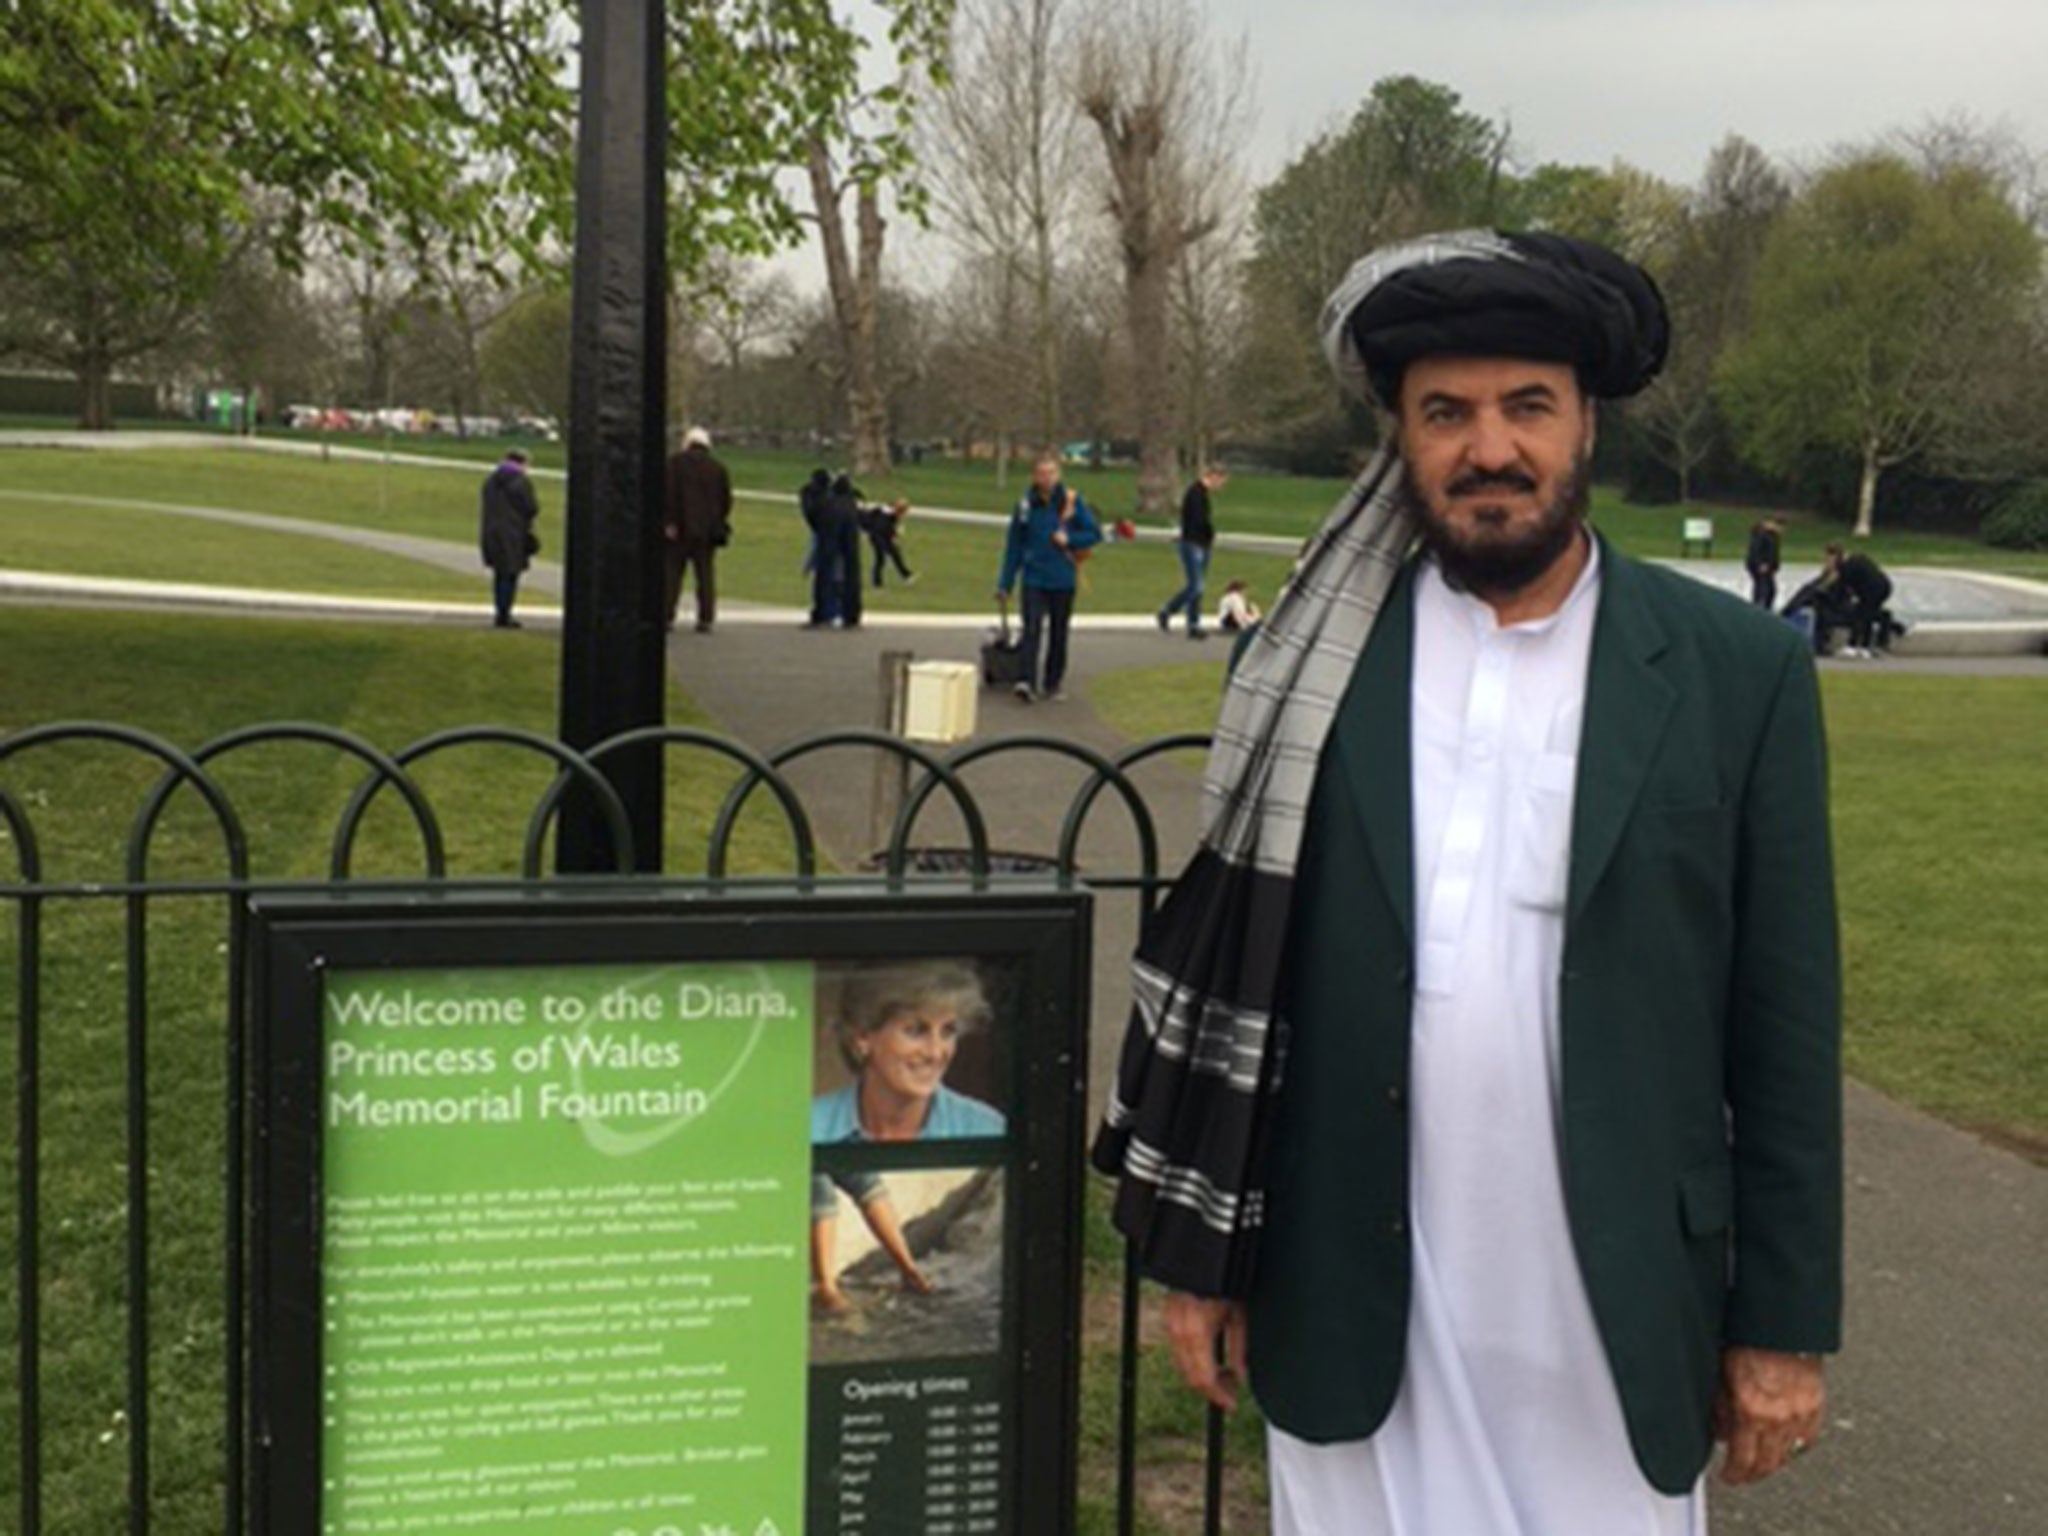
{"x": 1539, "y": 864}
{"x": 1706, "y": 1199}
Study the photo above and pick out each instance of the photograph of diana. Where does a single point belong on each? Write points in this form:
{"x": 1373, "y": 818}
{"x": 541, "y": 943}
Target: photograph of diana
{"x": 892, "y": 1034}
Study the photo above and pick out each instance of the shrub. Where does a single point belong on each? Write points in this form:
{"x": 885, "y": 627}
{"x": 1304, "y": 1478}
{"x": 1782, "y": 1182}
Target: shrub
{"x": 2021, "y": 520}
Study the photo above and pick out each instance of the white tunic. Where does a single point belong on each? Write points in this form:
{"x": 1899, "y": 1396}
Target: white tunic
{"x": 1507, "y": 1422}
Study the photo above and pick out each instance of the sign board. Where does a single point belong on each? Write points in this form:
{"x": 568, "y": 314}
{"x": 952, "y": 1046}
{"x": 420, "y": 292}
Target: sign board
{"x": 938, "y": 704}
{"x": 602, "y": 1216}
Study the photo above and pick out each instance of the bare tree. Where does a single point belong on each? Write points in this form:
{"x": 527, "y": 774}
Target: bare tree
{"x": 1208, "y": 322}
{"x": 1169, "y": 111}
{"x": 732, "y": 313}
{"x": 1958, "y": 141}
{"x": 854, "y": 283}
{"x": 1002, "y": 147}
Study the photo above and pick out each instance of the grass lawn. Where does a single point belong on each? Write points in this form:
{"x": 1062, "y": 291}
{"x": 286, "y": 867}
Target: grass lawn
{"x": 956, "y": 565}
{"x": 188, "y": 679}
{"x": 1939, "y": 826}
{"x": 149, "y": 546}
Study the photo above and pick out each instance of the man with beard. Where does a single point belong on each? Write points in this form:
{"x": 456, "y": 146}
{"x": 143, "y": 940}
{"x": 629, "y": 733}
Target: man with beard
{"x": 1481, "y": 1102}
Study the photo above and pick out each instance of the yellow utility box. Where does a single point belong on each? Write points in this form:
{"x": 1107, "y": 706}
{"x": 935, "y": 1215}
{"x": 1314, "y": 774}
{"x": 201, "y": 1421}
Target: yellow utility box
{"x": 938, "y": 702}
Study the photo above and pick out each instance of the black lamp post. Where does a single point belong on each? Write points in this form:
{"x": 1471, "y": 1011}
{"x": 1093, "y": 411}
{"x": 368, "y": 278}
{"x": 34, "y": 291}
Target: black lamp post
{"x": 613, "y": 636}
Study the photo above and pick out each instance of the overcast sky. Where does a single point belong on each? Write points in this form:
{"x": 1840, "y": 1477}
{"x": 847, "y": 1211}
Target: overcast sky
{"x": 1655, "y": 82}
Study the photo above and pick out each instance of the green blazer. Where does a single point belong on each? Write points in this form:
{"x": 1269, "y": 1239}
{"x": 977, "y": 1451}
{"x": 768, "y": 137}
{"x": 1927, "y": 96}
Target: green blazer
{"x": 1700, "y": 1019}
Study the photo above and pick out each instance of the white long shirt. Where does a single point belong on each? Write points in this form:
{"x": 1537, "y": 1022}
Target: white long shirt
{"x": 1507, "y": 1422}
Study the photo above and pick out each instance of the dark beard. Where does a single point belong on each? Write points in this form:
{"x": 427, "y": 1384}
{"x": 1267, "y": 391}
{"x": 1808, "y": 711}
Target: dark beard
{"x": 1501, "y": 568}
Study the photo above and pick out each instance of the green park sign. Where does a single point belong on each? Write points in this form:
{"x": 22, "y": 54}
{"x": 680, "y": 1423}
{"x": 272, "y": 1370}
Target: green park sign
{"x": 667, "y": 1218}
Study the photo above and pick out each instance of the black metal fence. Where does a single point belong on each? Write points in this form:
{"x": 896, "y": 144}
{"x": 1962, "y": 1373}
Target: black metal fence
{"x": 113, "y": 967}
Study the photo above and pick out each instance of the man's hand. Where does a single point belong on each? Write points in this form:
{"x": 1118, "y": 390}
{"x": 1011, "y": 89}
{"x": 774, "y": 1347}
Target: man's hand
{"x": 1769, "y": 1410}
{"x": 1193, "y": 1324}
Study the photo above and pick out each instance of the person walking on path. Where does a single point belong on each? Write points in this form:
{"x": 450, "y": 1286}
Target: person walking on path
{"x": 505, "y": 531}
{"x": 1197, "y": 539}
{"x": 1051, "y": 532}
{"x": 696, "y": 523}
{"x": 884, "y": 528}
{"x": 1482, "y": 1098}
{"x": 1761, "y": 560}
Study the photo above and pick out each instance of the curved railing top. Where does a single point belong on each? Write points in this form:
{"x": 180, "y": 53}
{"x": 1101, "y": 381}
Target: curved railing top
{"x": 925, "y": 772}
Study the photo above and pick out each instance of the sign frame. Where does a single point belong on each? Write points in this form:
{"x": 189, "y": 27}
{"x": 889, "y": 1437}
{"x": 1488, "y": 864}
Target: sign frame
{"x": 298, "y": 940}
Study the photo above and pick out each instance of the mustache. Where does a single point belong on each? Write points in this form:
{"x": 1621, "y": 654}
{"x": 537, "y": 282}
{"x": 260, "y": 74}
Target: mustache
{"x": 1475, "y": 481}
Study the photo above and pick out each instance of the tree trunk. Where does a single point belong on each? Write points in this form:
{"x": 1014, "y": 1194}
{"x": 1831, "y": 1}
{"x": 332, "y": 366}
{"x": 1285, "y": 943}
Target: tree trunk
{"x": 856, "y": 307}
{"x": 1151, "y": 383}
{"x": 1866, "y": 491}
{"x": 1044, "y": 334}
{"x": 95, "y": 390}
{"x": 1048, "y": 355}
{"x": 867, "y": 401}
{"x": 1684, "y": 484}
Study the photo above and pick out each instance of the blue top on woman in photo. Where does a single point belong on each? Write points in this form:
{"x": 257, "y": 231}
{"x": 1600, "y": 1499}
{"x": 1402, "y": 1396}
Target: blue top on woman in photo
{"x": 836, "y": 1116}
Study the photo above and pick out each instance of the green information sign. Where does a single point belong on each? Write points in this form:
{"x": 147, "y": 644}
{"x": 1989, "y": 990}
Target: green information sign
{"x": 566, "y": 1212}
{"x": 616, "y": 1213}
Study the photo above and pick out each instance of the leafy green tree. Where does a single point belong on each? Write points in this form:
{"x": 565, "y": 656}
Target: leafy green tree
{"x": 137, "y": 138}
{"x": 1877, "y": 296}
{"x": 525, "y": 354}
{"x": 1411, "y": 159}
{"x": 1624, "y": 207}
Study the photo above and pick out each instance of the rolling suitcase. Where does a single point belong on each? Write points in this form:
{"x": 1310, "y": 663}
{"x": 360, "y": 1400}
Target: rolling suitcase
{"x": 1003, "y": 663}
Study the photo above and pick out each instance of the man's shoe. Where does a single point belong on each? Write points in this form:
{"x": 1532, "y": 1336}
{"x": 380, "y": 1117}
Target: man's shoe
{"x": 1023, "y": 692}
{"x": 507, "y": 624}
{"x": 1198, "y": 634}
{"x": 1056, "y": 696}
{"x": 910, "y": 580}
{"x": 703, "y": 629}
{"x": 1165, "y": 622}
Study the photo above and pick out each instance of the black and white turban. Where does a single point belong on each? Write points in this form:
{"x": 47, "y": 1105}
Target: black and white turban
{"x": 1487, "y": 293}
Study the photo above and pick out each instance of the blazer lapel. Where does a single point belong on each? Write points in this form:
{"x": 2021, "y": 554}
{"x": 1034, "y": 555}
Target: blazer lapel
{"x": 1627, "y": 706}
{"x": 1372, "y": 734}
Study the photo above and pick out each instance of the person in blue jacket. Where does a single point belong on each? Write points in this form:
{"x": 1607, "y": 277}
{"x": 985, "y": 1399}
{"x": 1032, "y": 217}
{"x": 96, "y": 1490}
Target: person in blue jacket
{"x": 1051, "y": 532}
{"x": 897, "y": 1029}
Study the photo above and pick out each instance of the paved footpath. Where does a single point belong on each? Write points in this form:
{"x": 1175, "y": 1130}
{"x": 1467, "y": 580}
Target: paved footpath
{"x": 1940, "y": 1404}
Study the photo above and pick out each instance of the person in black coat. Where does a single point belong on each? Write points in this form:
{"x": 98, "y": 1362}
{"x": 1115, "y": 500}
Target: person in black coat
{"x": 810, "y": 501}
{"x": 1866, "y": 589}
{"x": 835, "y": 580}
{"x": 505, "y": 533}
{"x": 696, "y": 524}
{"x": 1761, "y": 561}
{"x": 1197, "y": 539}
